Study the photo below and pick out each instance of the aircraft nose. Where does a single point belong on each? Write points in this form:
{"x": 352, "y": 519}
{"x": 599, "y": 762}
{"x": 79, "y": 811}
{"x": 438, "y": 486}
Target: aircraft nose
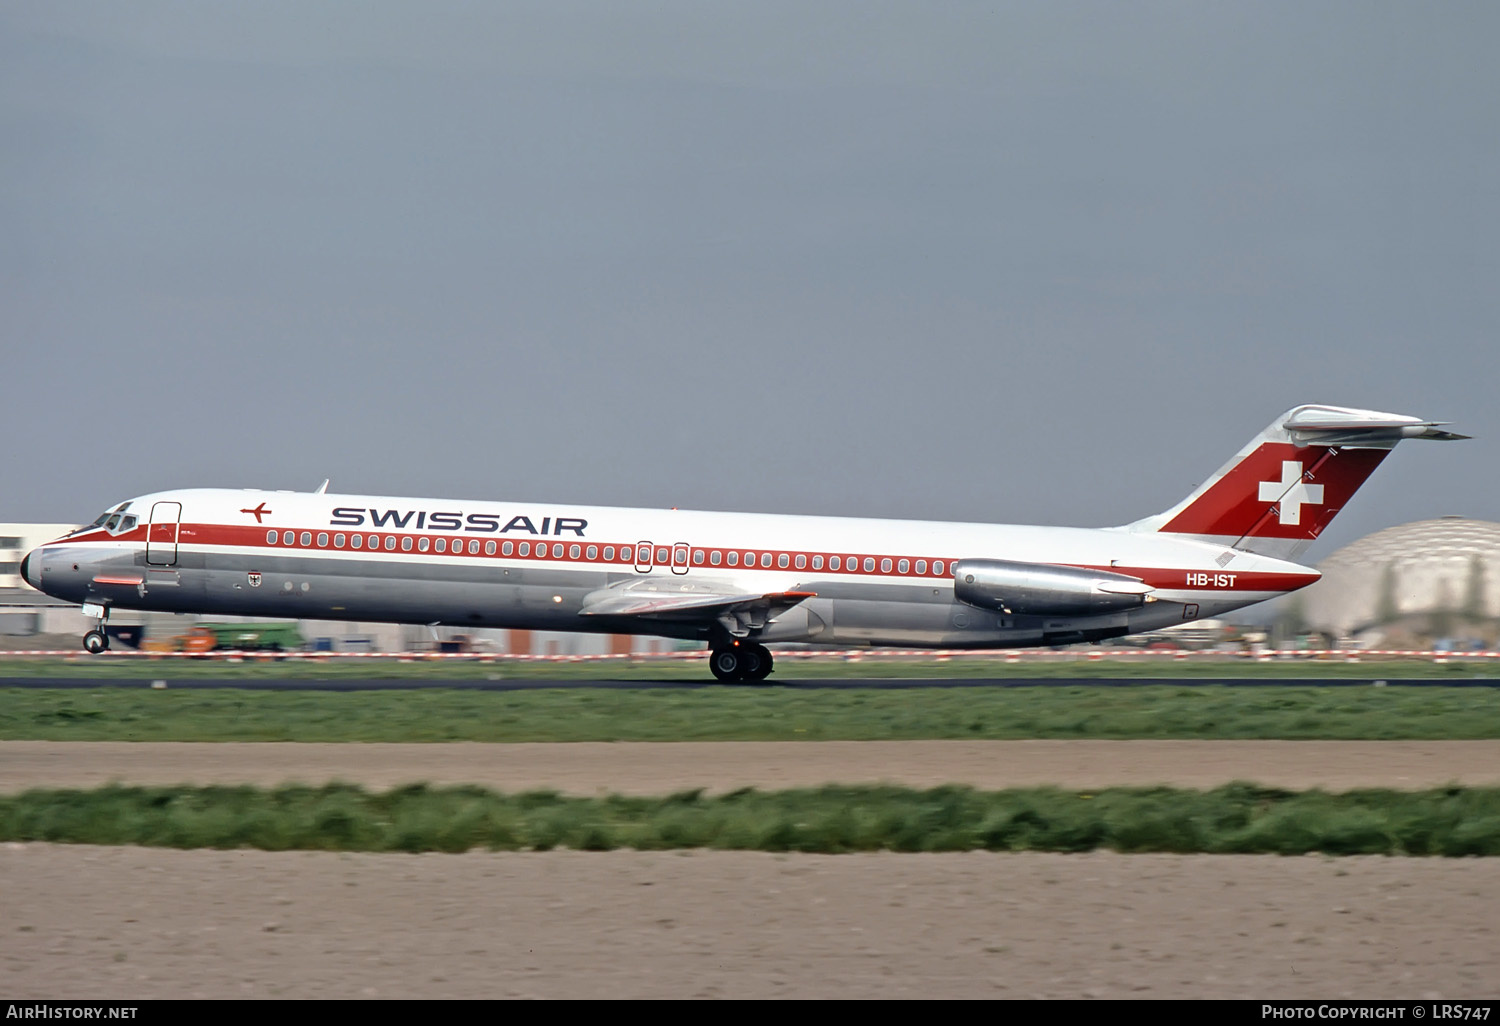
{"x": 35, "y": 582}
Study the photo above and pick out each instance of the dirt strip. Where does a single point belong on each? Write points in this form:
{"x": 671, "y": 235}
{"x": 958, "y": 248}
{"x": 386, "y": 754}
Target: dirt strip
{"x": 658, "y": 769}
{"x": 81, "y": 922}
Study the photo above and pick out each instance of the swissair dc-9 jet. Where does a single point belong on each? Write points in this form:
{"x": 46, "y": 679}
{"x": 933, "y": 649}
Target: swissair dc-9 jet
{"x": 736, "y": 581}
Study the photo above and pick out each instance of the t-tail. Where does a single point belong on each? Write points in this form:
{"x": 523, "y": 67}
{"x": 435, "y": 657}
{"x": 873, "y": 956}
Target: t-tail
{"x": 1283, "y": 488}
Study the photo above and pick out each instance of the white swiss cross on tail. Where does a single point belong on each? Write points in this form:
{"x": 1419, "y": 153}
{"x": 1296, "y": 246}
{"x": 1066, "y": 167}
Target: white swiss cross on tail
{"x": 1292, "y": 492}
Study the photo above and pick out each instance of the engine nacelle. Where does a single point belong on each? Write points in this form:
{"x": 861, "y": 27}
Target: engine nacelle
{"x": 1043, "y": 589}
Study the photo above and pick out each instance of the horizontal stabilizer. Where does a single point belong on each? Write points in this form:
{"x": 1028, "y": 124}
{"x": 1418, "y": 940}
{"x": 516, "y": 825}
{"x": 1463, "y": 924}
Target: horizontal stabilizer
{"x": 1321, "y": 424}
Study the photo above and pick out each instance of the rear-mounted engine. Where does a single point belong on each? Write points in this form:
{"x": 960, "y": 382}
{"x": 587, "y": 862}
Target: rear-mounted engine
{"x": 1042, "y": 589}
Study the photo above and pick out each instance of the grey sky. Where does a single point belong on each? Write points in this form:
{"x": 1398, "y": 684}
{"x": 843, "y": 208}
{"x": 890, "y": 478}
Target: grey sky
{"x": 1038, "y": 263}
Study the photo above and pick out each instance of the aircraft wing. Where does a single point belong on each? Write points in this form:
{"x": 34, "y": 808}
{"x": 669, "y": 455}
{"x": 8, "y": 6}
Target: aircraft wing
{"x": 737, "y": 611}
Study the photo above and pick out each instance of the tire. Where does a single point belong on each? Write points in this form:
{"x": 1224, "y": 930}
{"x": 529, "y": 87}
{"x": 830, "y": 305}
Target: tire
{"x": 764, "y": 666}
{"x": 727, "y": 665}
{"x": 95, "y": 642}
{"x": 753, "y": 664}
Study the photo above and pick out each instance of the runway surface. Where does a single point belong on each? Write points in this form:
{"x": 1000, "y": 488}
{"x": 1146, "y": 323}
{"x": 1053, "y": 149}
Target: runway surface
{"x": 166, "y": 679}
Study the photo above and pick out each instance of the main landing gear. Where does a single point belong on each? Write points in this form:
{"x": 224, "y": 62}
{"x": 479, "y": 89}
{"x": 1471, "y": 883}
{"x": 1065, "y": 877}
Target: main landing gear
{"x": 740, "y": 661}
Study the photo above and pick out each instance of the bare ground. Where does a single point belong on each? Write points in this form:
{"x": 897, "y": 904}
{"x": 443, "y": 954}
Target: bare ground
{"x": 80, "y": 922}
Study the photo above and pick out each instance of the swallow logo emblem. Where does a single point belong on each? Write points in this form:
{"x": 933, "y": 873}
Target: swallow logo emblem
{"x": 258, "y": 511}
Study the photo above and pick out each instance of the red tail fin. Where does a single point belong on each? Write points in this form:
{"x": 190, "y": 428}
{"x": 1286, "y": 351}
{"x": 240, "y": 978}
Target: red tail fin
{"x": 1287, "y": 485}
{"x": 1279, "y": 491}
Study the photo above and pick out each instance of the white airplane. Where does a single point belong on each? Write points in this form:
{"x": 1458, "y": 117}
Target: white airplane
{"x": 733, "y": 580}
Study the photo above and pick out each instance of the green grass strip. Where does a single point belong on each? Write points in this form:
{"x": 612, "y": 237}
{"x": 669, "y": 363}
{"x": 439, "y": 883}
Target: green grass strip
{"x": 1238, "y": 818}
{"x": 1058, "y": 711}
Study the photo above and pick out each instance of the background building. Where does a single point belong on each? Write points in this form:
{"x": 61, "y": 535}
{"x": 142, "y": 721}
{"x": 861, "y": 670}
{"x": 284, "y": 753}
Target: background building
{"x": 1428, "y": 582}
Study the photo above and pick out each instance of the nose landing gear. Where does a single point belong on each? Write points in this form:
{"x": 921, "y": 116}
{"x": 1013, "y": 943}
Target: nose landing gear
{"x": 96, "y": 641}
{"x": 740, "y": 662}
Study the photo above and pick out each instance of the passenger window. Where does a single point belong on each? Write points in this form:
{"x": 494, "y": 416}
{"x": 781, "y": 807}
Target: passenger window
{"x": 801, "y": 561}
{"x": 697, "y": 557}
{"x": 609, "y": 553}
{"x": 937, "y": 567}
{"x": 643, "y": 554}
{"x": 817, "y": 562}
{"x": 525, "y": 548}
{"x": 902, "y": 566}
{"x": 374, "y": 541}
{"x": 338, "y": 541}
{"x": 322, "y": 539}
{"x": 287, "y": 538}
{"x": 507, "y": 548}
{"x": 440, "y": 545}
{"x": 390, "y": 543}
{"x": 593, "y": 552}
{"x": 885, "y": 565}
{"x": 661, "y": 557}
{"x": 734, "y": 559}
{"x": 574, "y": 551}
{"x": 921, "y": 566}
{"x": 473, "y": 546}
{"x": 782, "y": 560}
{"x": 557, "y": 550}
{"x": 715, "y": 557}
{"x": 423, "y": 544}
{"x": 749, "y": 559}
{"x": 489, "y": 548}
{"x": 869, "y": 564}
{"x": 356, "y": 540}
{"x": 406, "y": 543}
{"x": 833, "y": 562}
{"x": 270, "y": 537}
{"x": 306, "y": 537}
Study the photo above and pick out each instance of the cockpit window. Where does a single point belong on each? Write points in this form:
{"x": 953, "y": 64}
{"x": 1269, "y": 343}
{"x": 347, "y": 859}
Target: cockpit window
{"x": 113, "y": 520}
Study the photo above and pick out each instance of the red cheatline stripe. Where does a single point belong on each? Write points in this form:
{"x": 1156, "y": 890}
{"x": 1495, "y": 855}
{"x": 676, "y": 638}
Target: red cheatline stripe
{"x": 851, "y": 564}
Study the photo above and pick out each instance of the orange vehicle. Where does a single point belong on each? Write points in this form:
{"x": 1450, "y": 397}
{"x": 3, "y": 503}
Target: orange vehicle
{"x": 197, "y": 641}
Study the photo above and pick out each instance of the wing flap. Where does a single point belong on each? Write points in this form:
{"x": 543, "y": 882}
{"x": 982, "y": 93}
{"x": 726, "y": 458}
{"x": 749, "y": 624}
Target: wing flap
{"x": 689, "y": 606}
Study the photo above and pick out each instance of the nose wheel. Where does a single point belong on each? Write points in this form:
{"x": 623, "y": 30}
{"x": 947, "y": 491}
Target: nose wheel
{"x": 740, "y": 662}
{"x": 96, "y": 641}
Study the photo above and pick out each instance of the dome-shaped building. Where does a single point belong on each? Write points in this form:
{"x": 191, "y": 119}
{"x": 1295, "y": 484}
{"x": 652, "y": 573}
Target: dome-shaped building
{"x": 1446, "y": 571}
